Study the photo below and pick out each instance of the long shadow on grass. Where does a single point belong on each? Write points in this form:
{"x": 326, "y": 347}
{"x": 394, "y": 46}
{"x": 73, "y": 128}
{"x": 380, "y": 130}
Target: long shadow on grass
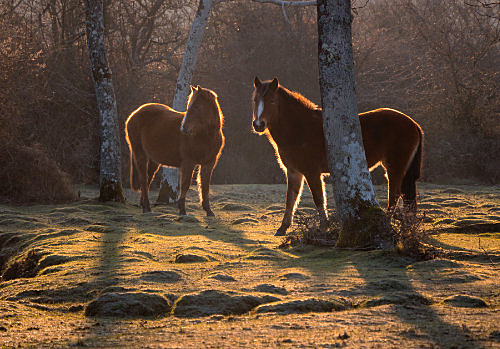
{"x": 387, "y": 282}
{"x": 106, "y": 274}
{"x": 413, "y": 310}
{"x": 212, "y": 228}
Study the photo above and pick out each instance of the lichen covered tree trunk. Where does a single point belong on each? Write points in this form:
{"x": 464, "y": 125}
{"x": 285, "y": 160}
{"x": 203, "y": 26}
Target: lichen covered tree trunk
{"x": 110, "y": 162}
{"x": 363, "y": 222}
{"x": 169, "y": 188}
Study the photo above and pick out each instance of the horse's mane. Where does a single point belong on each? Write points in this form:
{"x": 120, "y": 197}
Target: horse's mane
{"x": 299, "y": 98}
{"x": 213, "y": 98}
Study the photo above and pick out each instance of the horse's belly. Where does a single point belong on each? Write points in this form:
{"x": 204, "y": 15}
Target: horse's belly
{"x": 201, "y": 152}
{"x": 164, "y": 151}
{"x": 306, "y": 158}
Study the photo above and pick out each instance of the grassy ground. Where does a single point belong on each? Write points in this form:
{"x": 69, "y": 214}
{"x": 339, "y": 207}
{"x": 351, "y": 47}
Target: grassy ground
{"x": 76, "y": 253}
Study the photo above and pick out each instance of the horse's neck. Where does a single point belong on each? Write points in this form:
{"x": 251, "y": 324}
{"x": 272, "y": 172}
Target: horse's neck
{"x": 291, "y": 116}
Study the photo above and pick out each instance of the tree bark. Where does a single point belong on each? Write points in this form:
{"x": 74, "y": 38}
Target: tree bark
{"x": 110, "y": 162}
{"x": 169, "y": 189}
{"x": 363, "y": 222}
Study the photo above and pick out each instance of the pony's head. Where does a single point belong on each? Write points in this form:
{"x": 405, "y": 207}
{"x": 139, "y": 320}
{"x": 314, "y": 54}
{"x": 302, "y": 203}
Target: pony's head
{"x": 264, "y": 103}
{"x": 203, "y": 111}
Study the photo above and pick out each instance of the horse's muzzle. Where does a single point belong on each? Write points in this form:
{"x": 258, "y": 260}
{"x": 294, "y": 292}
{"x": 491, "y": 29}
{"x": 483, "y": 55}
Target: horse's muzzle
{"x": 259, "y": 126}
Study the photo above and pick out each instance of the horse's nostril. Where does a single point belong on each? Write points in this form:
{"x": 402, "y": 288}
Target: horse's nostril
{"x": 258, "y": 125}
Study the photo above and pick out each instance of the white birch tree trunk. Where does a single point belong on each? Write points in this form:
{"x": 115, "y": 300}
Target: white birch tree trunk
{"x": 363, "y": 222}
{"x": 169, "y": 188}
{"x": 110, "y": 162}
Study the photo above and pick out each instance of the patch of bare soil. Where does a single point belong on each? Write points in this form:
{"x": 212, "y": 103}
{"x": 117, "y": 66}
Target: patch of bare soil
{"x": 87, "y": 274}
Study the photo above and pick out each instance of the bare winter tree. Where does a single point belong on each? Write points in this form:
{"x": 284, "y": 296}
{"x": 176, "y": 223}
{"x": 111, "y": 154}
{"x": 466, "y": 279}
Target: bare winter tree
{"x": 110, "y": 166}
{"x": 169, "y": 183}
{"x": 362, "y": 220}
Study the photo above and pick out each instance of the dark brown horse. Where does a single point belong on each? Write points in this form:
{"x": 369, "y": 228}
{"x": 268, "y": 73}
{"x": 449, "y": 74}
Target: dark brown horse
{"x": 294, "y": 126}
{"x": 158, "y": 135}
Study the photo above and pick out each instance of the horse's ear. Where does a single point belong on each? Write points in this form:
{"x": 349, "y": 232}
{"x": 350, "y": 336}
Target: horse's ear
{"x": 191, "y": 87}
{"x": 274, "y": 84}
{"x": 198, "y": 87}
{"x": 256, "y": 82}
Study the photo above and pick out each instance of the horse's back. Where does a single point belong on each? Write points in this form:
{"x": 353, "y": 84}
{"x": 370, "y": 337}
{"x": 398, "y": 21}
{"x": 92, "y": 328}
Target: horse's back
{"x": 156, "y": 127}
{"x": 388, "y": 134}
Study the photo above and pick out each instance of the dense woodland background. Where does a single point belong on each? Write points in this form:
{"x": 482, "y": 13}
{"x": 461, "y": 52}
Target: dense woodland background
{"x": 436, "y": 61}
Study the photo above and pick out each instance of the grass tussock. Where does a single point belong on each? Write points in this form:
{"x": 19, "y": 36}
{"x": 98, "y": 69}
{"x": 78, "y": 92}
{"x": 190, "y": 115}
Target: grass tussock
{"x": 307, "y": 232}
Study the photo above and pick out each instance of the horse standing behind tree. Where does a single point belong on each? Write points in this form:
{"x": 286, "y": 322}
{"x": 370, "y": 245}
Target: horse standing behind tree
{"x": 159, "y": 135}
{"x": 294, "y": 126}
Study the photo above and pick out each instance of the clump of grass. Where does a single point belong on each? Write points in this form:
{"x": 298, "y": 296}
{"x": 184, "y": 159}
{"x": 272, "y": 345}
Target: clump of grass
{"x": 410, "y": 236}
{"x": 307, "y": 232}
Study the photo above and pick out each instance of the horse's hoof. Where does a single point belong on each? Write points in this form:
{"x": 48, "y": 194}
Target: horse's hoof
{"x": 323, "y": 227}
{"x": 280, "y": 232}
{"x": 210, "y": 213}
{"x": 182, "y": 213}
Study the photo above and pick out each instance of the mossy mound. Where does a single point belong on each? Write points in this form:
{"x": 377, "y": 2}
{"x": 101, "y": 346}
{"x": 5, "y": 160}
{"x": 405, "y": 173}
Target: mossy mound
{"x": 128, "y": 304}
{"x": 406, "y": 298}
{"x": 212, "y": 302}
{"x": 190, "y": 258}
{"x": 268, "y": 288}
{"x": 236, "y": 207}
{"x": 465, "y": 301}
{"x": 300, "y": 306}
{"x": 223, "y": 278}
{"x": 294, "y": 276}
{"x": 166, "y": 276}
{"x": 245, "y": 220}
{"x": 263, "y": 253}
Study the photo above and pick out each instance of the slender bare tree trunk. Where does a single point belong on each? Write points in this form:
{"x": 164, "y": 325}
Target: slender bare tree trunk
{"x": 169, "y": 189}
{"x": 110, "y": 165}
{"x": 363, "y": 222}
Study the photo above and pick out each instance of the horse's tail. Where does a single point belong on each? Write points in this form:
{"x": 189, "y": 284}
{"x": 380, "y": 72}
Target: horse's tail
{"x": 408, "y": 187}
{"x": 134, "y": 176}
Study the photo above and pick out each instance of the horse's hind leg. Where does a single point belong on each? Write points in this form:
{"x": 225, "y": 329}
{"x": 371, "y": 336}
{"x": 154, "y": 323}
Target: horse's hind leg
{"x": 294, "y": 181}
{"x": 410, "y": 195}
{"x": 152, "y": 169}
{"x": 318, "y": 192}
{"x": 205, "y": 178}
{"x": 185, "y": 177}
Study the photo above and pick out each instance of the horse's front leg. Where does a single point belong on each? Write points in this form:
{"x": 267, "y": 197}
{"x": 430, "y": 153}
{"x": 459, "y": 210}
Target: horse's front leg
{"x": 294, "y": 181}
{"x": 205, "y": 178}
{"x": 318, "y": 192}
{"x": 185, "y": 177}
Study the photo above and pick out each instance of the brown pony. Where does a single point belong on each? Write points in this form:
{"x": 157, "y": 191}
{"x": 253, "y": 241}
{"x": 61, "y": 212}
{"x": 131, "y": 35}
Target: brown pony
{"x": 158, "y": 135}
{"x": 294, "y": 126}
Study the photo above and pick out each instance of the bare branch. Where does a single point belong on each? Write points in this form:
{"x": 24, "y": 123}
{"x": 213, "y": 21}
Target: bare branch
{"x": 284, "y": 13}
{"x": 288, "y": 3}
{"x": 482, "y": 3}
{"x": 12, "y": 9}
